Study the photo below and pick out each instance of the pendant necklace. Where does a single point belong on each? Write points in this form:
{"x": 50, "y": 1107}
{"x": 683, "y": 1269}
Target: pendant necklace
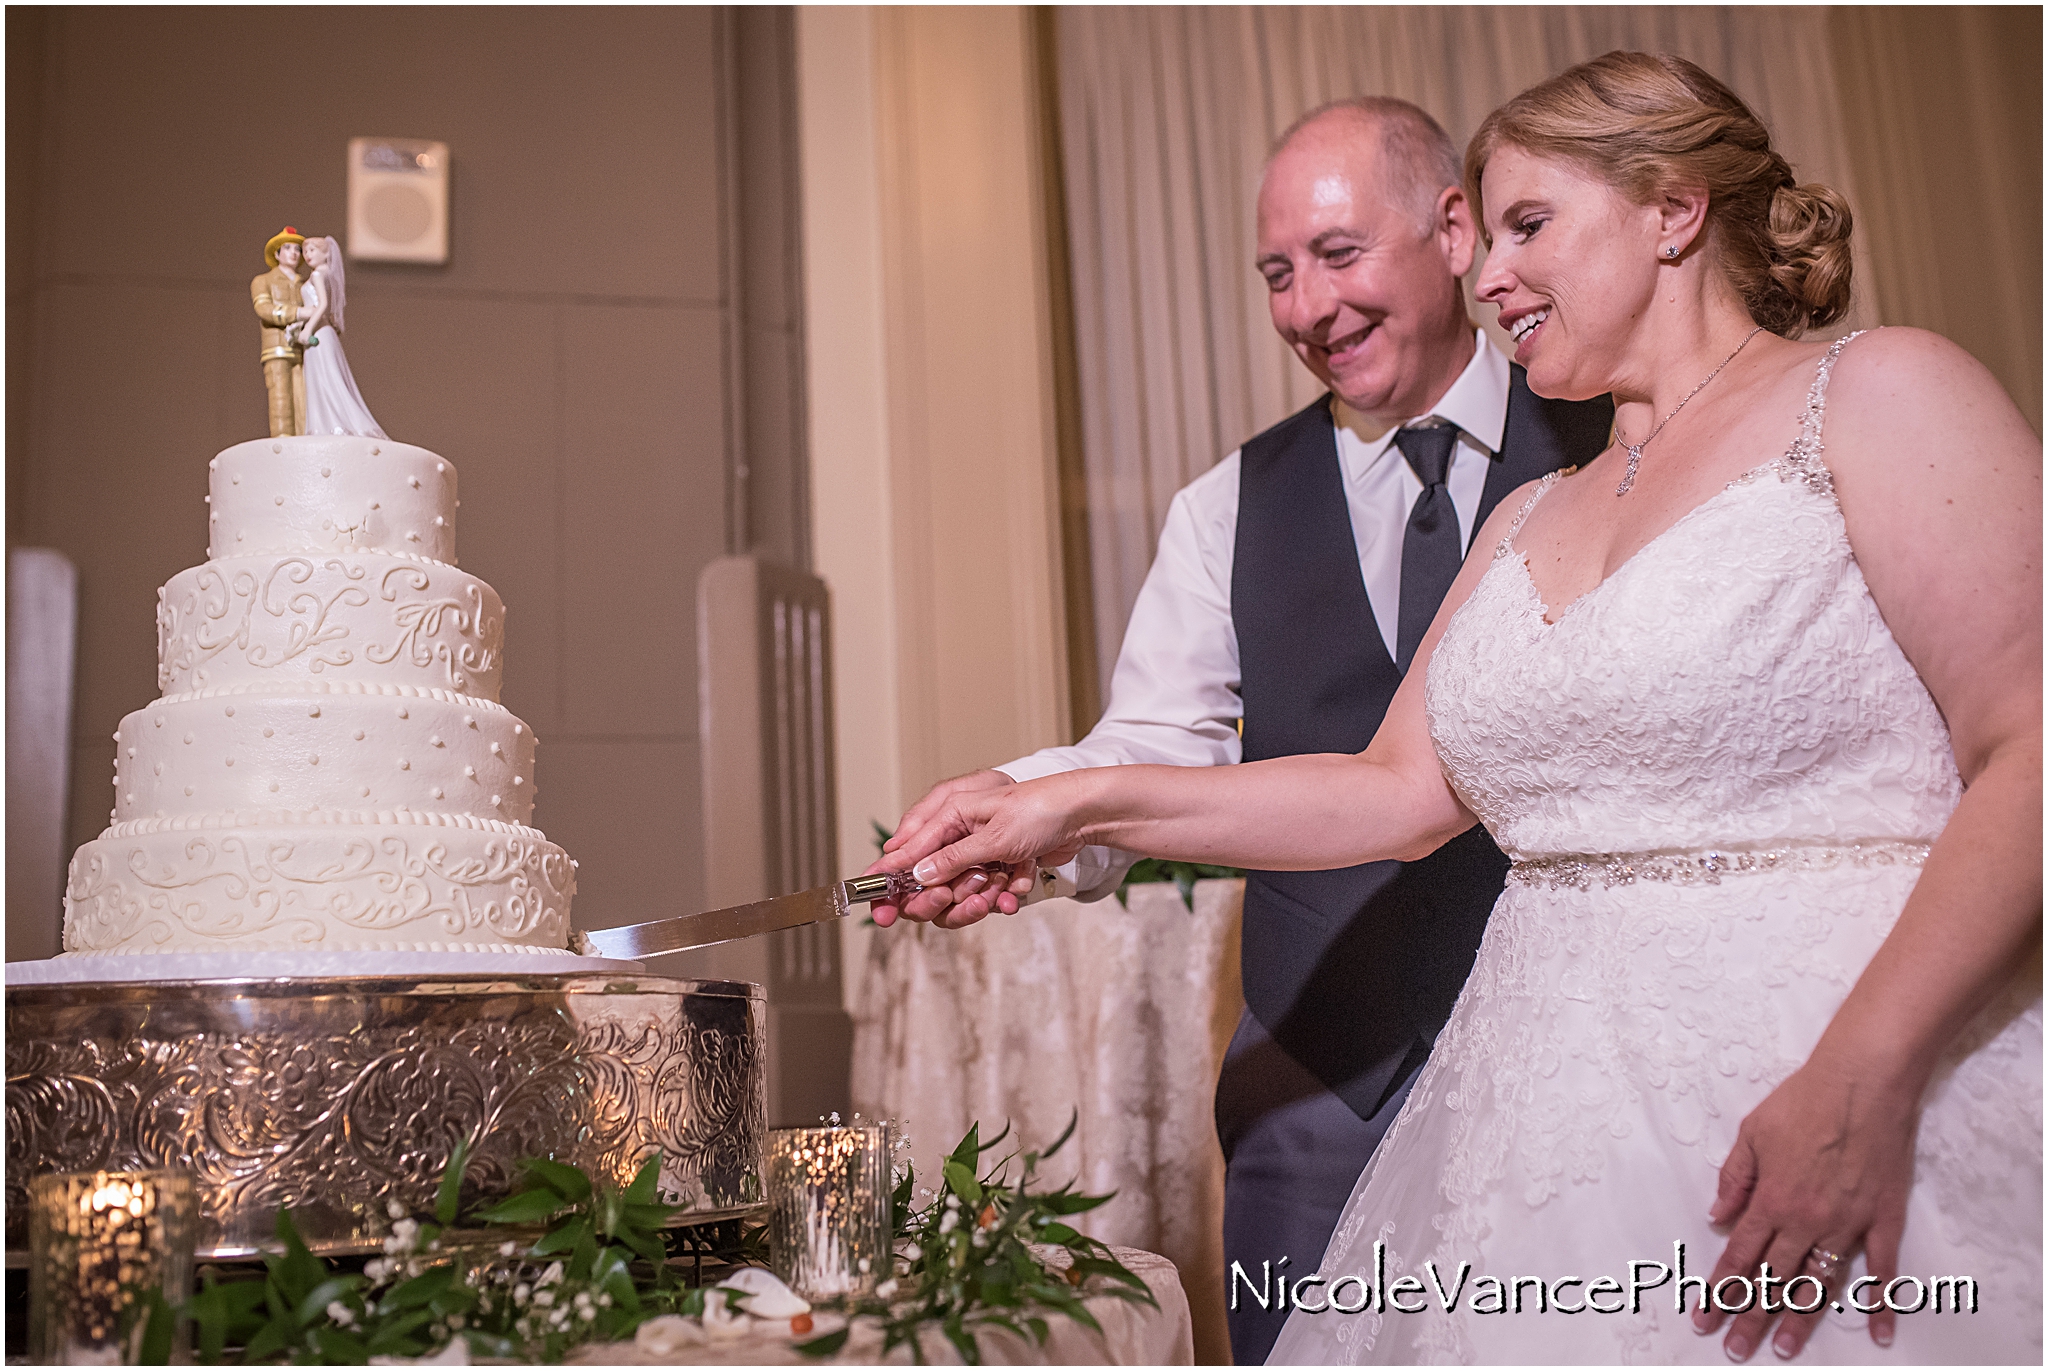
{"x": 1635, "y": 450}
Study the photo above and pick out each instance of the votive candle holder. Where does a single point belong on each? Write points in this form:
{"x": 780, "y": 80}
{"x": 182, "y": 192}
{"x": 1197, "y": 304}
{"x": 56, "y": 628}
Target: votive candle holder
{"x": 99, "y": 1243}
{"x": 828, "y": 1209}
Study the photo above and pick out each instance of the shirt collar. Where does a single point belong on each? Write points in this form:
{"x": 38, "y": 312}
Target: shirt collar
{"x": 1477, "y": 402}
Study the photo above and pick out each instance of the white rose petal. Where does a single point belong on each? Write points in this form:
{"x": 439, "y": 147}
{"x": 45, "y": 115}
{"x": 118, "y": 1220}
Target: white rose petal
{"x": 765, "y": 1296}
{"x": 394, "y": 1209}
{"x": 664, "y": 1337}
{"x": 722, "y": 1324}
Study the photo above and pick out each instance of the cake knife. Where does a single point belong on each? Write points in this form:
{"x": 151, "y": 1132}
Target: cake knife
{"x": 682, "y": 932}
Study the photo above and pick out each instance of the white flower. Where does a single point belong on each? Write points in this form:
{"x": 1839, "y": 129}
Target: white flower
{"x": 664, "y": 1338}
{"x": 582, "y": 1300}
{"x": 586, "y": 1313}
{"x": 374, "y": 1269}
{"x": 456, "y": 1321}
{"x": 949, "y": 1220}
{"x": 521, "y": 1293}
{"x": 604, "y": 1301}
{"x": 394, "y": 1209}
{"x": 912, "y": 1252}
{"x": 865, "y": 1265}
{"x": 340, "y": 1313}
{"x": 887, "y": 1288}
{"x": 506, "y": 1249}
{"x": 551, "y": 1275}
{"x": 543, "y": 1298}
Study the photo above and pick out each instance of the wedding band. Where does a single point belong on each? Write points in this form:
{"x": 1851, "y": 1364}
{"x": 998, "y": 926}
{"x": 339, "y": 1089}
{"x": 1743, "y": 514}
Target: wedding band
{"x": 1824, "y": 1262}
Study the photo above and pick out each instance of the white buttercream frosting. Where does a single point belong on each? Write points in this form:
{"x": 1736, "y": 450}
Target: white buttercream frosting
{"x": 328, "y": 767}
{"x": 331, "y": 494}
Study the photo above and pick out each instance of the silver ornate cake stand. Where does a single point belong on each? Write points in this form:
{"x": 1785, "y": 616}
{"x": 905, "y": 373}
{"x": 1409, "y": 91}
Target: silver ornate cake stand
{"x": 333, "y": 1095}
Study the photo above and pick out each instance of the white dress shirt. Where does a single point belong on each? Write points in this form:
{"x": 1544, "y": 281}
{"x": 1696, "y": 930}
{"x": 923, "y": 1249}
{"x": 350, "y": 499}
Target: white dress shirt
{"x": 1173, "y": 699}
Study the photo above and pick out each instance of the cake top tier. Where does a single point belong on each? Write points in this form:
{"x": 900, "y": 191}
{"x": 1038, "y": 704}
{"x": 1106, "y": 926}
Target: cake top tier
{"x": 331, "y": 494}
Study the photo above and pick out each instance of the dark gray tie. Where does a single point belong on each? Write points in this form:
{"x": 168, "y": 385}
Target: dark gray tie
{"x": 1431, "y": 550}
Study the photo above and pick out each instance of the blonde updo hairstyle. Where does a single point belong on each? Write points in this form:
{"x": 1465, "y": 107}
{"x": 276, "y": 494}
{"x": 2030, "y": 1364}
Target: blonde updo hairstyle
{"x": 1647, "y": 125}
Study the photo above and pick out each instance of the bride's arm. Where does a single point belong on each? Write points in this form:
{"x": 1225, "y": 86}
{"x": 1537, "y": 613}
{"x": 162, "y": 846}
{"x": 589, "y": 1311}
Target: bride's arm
{"x": 1306, "y": 813}
{"x": 1939, "y": 479}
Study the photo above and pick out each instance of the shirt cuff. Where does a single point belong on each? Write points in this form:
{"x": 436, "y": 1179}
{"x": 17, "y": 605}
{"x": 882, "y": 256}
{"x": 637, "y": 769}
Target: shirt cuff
{"x": 1096, "y": 872}
{"x": 1031, "y": 768}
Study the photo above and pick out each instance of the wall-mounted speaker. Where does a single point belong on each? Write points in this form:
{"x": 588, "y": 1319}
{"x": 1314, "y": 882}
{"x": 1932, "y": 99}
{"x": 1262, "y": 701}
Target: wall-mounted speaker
{"x": 397, "y": 200}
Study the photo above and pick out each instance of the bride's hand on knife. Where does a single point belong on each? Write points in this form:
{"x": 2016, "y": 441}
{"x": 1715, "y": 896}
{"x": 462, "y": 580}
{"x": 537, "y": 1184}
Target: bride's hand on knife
{"x": 1022, "y": 827}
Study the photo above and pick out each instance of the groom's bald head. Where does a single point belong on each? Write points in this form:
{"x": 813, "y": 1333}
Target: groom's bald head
{"x": 1415, "y": 158}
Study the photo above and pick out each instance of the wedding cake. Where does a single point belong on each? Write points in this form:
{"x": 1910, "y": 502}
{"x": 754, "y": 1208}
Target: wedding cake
{"x": 328, "y": 768}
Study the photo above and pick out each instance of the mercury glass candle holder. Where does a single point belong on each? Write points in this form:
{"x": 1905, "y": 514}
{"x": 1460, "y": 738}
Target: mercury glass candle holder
{"x": 828, "y": 1209}
{"x": 99, "y": 1243}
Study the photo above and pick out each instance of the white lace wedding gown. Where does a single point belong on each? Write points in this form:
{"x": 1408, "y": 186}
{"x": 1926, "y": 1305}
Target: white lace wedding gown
{"x": 1717, "y": 775}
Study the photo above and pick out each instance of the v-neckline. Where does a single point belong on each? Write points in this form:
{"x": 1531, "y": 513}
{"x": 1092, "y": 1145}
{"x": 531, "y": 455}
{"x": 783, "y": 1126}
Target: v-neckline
{"x": 1521, "y": 557}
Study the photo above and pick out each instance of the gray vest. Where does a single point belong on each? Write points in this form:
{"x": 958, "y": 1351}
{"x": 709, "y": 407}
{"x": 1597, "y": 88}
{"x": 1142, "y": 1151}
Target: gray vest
{"x": 1354, "y": 971}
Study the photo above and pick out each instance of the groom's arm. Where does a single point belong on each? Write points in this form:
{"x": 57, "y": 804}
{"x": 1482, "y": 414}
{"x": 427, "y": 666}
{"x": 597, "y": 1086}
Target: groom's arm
{"x": 274, "y": 311}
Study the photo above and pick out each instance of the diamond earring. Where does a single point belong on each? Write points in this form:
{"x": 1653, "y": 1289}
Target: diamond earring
{"x": 1671, "y": 250}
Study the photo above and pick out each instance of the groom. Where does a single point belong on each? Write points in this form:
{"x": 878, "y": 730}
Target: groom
{"x": 275, "y": 295}
{"x": 1292, "y": 585}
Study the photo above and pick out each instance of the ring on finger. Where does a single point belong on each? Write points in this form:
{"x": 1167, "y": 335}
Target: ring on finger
{"x": 1824, "y": 1263}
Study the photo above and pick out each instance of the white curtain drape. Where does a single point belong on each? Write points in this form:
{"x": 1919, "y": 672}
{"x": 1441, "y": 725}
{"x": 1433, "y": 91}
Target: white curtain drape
{"x": 1166, "y": 116}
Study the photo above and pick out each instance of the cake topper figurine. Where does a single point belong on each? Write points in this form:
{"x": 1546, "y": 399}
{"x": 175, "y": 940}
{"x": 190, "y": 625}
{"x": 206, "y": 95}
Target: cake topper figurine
{"x": 332, "y": 402}
{"x": 276, "y": 296}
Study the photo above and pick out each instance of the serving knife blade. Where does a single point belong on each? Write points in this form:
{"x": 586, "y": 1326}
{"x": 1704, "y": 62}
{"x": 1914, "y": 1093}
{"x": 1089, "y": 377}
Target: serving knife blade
{"x": 682, "y": 932}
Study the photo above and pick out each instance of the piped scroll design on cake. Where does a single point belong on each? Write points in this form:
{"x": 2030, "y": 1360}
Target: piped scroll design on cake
{"x": 421, "y": 619}
{"x": 215, "y": 626}
{"x": 234, "y": 890}
{"x": 337, "y": 1106}
{"x": 221, "y": 612}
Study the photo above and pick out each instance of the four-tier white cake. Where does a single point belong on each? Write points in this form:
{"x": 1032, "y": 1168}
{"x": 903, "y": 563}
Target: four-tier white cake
{"x": 328, "y": 768}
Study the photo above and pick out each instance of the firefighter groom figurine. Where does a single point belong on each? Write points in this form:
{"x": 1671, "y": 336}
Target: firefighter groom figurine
{"x": 276, "y": 296}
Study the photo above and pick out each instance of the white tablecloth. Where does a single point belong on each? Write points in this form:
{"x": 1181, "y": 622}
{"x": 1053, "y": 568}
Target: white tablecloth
{"x": 1132, "y": 1335}
{"x": 1120, "y": 1013}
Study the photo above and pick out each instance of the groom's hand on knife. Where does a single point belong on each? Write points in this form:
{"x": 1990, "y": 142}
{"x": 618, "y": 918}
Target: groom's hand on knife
{"x": 985, "y": 813}
{"x": 928, "y": 906}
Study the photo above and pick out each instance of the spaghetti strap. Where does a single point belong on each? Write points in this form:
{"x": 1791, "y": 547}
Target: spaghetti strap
{"x": 1506, "y": 545}
{"x": 1804, "y": 457}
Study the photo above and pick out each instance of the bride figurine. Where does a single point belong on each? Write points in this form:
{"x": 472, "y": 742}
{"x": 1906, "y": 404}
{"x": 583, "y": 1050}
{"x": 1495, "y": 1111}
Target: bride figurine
{"x": 333, "y": 404}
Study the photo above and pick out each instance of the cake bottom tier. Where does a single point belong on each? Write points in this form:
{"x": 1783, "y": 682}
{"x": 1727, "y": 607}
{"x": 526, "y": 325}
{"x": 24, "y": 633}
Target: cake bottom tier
{"x": 391, "y": 887}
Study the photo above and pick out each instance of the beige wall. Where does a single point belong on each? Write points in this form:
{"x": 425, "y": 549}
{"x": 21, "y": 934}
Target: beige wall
{"x": 1942, "y": 113}
{"x": 576, "y": 359}
{"x": 930, "y": 390}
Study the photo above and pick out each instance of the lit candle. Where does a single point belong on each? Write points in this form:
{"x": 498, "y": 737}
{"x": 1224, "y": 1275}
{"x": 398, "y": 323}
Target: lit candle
{"x": 828, "y": 1209}
{"x": 100, "y": 1242}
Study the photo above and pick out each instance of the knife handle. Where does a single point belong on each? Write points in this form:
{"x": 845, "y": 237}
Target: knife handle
{"x": 894, "y": 887}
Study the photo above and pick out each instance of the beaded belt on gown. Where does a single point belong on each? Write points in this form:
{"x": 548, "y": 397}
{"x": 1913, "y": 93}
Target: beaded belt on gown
{"x": 1705, "y": 866}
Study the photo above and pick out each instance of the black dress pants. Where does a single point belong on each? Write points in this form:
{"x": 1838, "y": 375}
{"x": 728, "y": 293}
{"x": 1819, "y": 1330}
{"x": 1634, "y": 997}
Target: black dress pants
{"x": 1292, "y": 1152}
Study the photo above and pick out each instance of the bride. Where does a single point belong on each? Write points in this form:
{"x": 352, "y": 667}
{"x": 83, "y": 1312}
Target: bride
{"x": 333, "y": 404}
{"x": 1753, "y": 703}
